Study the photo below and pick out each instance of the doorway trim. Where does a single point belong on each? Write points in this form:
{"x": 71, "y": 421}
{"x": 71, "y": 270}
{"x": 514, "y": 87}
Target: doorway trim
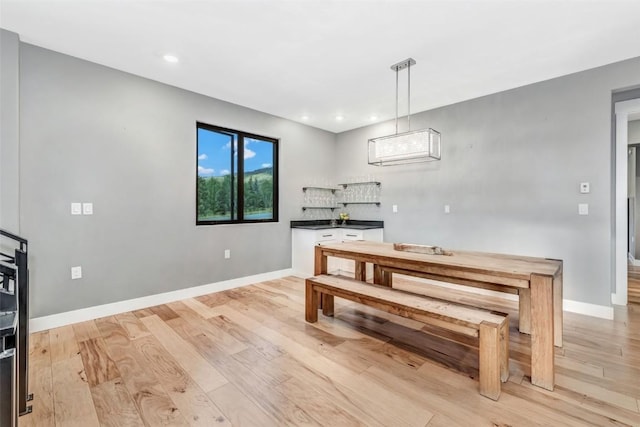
{"x": 622, "y": 111}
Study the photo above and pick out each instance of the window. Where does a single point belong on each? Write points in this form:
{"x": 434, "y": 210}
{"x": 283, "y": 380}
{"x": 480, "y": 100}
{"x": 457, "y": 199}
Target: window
{"x": 237, "y": 177}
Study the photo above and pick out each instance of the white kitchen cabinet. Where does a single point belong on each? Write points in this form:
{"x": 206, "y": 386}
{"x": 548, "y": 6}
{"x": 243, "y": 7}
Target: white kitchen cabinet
{"x": 304, "y": 240}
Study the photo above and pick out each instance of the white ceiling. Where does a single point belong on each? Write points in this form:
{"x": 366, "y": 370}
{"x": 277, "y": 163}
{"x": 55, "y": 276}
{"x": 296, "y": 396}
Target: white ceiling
{"x": 324, "y": 58}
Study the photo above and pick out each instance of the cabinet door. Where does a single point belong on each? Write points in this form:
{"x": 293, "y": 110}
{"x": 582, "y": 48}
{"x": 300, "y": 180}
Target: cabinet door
{"x": 325, "y": 236}
{"x": 349, "y": 234}
{"x": 302, "y": 255}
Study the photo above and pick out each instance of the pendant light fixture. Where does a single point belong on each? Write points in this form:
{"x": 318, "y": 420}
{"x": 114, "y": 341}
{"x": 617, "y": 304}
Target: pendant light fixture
{"x": 407, "y": 147}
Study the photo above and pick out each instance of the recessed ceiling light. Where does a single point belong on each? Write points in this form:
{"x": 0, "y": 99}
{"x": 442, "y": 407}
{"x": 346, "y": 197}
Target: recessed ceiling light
{"x": 170, "y": 58}
{"x": 373, "y": 118}
{"x": 305, "y": 118}
{"x": 339, "y": 118}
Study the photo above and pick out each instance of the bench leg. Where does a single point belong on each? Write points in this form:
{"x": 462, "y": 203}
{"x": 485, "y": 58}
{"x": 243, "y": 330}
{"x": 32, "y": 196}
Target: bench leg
{"x": 504, "y": 350}
{"x": 327, "y": 304}
{"x": 311, "y": 303}
{"x": 490, "y": 360}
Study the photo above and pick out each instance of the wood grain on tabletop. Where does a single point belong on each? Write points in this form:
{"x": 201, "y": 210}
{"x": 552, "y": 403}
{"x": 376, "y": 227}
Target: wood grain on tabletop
{"x": 514, "y": 266}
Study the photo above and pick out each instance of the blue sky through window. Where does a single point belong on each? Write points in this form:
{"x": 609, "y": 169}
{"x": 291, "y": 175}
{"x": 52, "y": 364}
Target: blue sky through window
{"x": 214, "y": 153}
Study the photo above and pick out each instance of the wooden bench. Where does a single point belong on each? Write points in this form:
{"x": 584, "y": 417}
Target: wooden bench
{"x": 492, "y": 329}
{"x": 383, "y": 276}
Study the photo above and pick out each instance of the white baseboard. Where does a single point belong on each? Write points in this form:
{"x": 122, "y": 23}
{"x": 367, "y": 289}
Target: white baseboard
{"x": 619, "y": 299}
{"x": 61, "y": 319}
{"x": 593, "y": 310}
{"x": 300, "y": 274}
{"x": 90, "y": 313}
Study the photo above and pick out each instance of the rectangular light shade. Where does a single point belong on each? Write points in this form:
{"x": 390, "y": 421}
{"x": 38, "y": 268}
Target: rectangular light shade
{"x": 408, "y": 147}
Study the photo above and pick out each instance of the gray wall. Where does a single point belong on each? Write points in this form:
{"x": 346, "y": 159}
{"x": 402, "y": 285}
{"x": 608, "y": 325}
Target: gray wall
{"x": 510, "y": 169}
{"x": 634, "y": 132}
{"x": 127, "y": 144}
{"x": 9, "y": 124}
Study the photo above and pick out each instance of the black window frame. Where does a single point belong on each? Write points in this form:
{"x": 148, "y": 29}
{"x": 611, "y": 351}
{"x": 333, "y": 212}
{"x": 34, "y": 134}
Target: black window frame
{"x": 239, "y": 186}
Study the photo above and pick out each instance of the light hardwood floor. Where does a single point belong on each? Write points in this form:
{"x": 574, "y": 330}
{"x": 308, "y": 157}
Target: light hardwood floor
{"x": 246, "y": 357}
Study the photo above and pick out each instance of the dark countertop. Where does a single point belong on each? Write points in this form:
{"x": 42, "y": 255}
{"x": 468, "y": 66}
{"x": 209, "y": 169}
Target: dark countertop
{"x": 324, "y": 224}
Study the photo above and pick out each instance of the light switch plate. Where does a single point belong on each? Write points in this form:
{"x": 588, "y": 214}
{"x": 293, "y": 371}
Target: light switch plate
{"x": 394, "y": 208}
{"x": 447, "y": 209}
{"x": 87, "y": 209}
{"x": 583, "y": 209}
{"x": 585, "y": 187}
{"x": 76, "y": 208}
{"x": 227, "y": 253}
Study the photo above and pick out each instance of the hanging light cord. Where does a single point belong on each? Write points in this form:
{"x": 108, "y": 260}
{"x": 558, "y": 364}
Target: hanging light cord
{"x": 397, "y": 68}
{"x": 409, "y": 97}
{"x": 397, "y": 99}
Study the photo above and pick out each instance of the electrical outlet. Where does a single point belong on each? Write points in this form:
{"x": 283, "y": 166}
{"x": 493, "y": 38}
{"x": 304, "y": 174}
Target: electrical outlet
{"x": 76, "y": 273}
{"x": 394, "y": 208}
{"x": 585, "y": 187}
{"x": 227, "y": 253}
{"x": 447, "y": 209}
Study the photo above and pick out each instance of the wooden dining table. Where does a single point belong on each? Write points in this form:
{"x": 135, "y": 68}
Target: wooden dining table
{"x": 537, "y": 281}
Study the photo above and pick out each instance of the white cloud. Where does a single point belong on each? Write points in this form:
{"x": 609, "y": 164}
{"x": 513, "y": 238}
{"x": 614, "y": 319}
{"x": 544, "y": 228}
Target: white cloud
{"x": 249, "y": 153}
{"x": 205, "y": 171}
{"x": 203, "y": 157}
{"x": 266, "y": 165}
{"x": 225, "y": 172}
{"x": 235, "y": 144}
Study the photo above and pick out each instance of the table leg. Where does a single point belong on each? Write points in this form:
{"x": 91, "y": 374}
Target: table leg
{"x": 387, "y": 278}
{"x": 524, "y": 311}
{"x": 557, "y": 310}
{"x": 327, "y": 304}
{"x": 361, "y": 271}
{"x": 381, "y": 277}
{"x": 377, "y": 274}
{"x": 320, "y": 267}
{"x": 542, "y": 337}
{"x": 320, "y": 262}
